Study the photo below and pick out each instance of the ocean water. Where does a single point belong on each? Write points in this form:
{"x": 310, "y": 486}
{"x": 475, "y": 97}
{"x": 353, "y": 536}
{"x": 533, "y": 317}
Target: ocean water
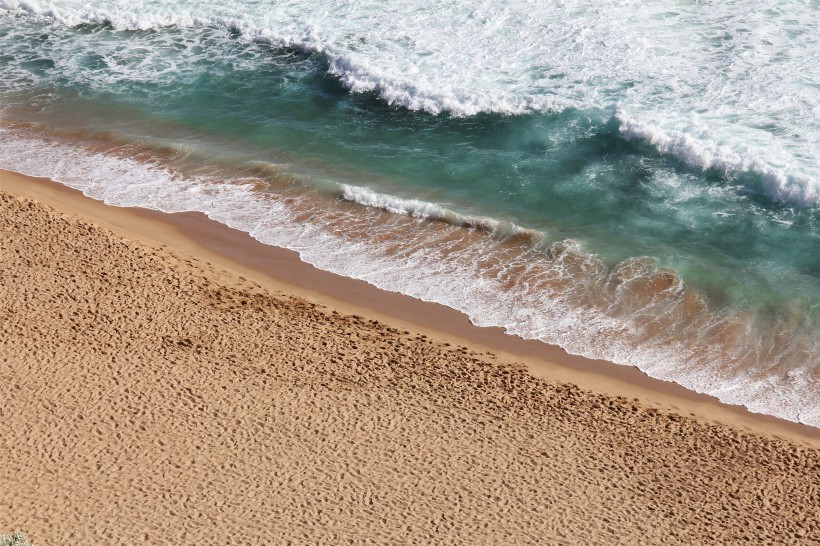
{"x": 637, "y": 181}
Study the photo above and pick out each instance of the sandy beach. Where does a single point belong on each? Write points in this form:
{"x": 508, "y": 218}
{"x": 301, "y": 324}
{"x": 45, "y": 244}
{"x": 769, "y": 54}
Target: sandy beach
{"x": 167, "y": 380}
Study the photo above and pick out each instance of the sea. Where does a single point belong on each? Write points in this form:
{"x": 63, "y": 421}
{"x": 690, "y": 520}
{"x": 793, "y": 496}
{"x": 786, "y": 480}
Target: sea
{"x": 632, "y": 180}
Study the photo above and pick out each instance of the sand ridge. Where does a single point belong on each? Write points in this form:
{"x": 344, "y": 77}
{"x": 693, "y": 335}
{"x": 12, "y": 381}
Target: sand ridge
{"x": 152, "y": 398}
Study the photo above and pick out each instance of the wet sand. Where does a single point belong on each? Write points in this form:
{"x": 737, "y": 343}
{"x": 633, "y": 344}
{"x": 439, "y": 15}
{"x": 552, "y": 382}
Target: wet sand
{"x": 171, "y": 380}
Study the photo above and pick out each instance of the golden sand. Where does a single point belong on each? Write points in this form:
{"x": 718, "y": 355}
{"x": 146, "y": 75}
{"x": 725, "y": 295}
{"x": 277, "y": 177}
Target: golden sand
{"x": 153, "y": 395}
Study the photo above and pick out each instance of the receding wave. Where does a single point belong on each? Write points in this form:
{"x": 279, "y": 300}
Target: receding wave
{"x": 631, "y": 312}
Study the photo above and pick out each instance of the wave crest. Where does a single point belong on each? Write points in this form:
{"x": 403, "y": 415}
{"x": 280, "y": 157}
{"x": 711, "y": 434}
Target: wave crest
{"x": 704, "y": 155}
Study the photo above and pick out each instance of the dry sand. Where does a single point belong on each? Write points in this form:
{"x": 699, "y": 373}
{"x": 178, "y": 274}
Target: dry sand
{"x": 154, "y": 395}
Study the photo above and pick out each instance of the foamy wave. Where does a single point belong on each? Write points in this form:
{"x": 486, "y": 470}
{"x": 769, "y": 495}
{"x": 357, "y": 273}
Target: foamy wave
{"x": 430, "y": 96}
{"x": 633, "y": 314}
{"x": 413, "y": 207}
{"x": 778, "y": 184}
{"x": 425, "y": 210}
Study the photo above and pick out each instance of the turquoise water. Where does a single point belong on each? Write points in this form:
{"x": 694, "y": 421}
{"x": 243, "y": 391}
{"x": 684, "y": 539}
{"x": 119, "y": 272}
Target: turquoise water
{"x": 657, "y": 213}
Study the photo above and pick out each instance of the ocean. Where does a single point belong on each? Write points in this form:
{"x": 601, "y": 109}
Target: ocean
{"x": 636, "y": 181}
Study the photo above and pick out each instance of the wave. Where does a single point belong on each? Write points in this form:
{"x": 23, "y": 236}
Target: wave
{"x": 460, "y": 61}
{"x": 632, "y": 313}
{"x": 355, "y": 71}
{"x": 778, "y": 184}
{"x": 433, "y": 212}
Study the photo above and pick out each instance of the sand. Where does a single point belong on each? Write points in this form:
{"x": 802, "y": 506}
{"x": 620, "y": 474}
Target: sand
{"x": 154, "y": 394}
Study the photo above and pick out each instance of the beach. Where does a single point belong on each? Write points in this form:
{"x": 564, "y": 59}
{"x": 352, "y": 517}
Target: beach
{"x": 163, "y": 384}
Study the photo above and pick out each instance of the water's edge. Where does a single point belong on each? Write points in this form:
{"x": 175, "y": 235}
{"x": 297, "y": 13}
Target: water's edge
{"x": 354, "y": 296}
{"x": 270, "y": 222}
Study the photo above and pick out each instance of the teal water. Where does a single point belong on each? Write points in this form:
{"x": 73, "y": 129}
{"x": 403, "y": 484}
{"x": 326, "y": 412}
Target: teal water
{"x": 570, "y": 221}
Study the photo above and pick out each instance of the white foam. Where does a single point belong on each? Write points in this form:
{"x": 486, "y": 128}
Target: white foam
{"x": 694, "y": 355}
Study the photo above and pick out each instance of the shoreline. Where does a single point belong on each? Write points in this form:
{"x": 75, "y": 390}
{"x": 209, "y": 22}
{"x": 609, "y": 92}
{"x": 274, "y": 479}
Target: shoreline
{"x": 157, "y": 391}
{"x": 281, "y": 270}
